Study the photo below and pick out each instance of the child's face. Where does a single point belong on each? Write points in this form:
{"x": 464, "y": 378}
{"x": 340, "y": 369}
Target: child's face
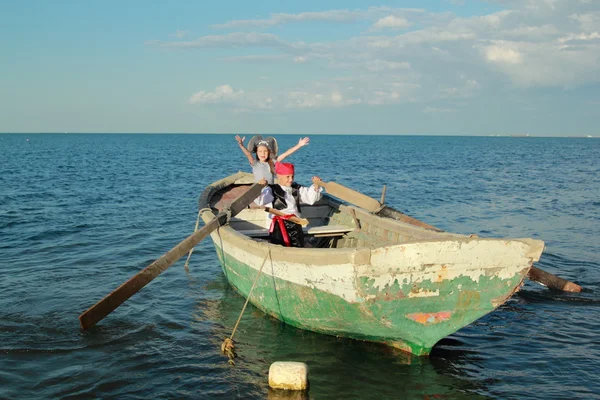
{"x": 285, "y": 180}
{"x": 263, "y": 153}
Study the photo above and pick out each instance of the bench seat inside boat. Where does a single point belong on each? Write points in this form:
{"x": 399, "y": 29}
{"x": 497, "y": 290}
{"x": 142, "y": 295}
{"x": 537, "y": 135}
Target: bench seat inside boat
{"x": 325, "y": 230}
{"x": 254, "y": 222}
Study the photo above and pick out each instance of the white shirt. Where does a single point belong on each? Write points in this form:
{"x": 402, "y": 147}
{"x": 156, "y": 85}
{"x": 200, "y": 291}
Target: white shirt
{"x": 307, "y": 194}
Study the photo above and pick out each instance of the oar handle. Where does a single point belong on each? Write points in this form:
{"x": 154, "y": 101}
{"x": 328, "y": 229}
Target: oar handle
{"x": 296, "y": 220}
{"x": 323, "y": 184}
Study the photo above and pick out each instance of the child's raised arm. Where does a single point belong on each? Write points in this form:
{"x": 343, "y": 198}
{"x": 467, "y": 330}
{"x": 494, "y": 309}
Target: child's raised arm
{"x": 301, "y": 143}
{"x": 240, "y": 141}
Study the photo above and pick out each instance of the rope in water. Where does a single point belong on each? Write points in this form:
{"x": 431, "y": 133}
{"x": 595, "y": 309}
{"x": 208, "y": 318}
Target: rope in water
{"x": 228, "y": 347}
{"x": 187, "y": 262}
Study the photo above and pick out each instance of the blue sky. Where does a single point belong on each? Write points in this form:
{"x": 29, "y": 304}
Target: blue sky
{"x": 454, "y": 67}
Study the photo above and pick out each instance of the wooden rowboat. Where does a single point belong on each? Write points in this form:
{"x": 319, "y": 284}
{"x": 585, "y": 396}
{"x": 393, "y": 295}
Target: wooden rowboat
{"x": 376, "y": 276}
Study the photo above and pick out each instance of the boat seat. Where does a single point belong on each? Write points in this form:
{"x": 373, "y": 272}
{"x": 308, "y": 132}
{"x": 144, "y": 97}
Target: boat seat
{"x": 325, "y": 230}
{"x": 328, "y": 230}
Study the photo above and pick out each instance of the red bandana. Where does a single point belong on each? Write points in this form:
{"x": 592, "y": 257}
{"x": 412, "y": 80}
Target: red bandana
{"x": 283, "y": 168}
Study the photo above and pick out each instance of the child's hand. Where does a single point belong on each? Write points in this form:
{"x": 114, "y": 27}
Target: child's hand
{"x": 239, "y": 139}
{"x": 304, "y": 141}
{"x": 262, "y": 182}
{"x": 316, "y": 180}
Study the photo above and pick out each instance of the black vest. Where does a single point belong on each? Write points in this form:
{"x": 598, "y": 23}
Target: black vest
{"x": 279, "y": 202}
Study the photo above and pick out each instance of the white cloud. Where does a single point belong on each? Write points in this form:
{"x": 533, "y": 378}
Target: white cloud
{"x": 336, "y": 97}
{"x": 231, "y": 40}
{"x": 252, "y": 58}
{"x": 381, "y": 97}
{"x": 222, "y": 94}
{"x": 588, "y": 22}
{"x": 530, "y": 43}
{"x": 271, "y": 58}
{"x": 337, "y": 16}
{"x": 502, "y": 52}
{"x": 262, "y": 102}
{"x": 381, "y": 43}
{"x": 239, "y": 101}
{"x": 574, "y": 37}
{"x": 300, "y": 99}
{"x": 391, "y": 21}
{"x": 469, "y": 88}
{"x": 303, "y": 99}
{"x": 415, "y": 38}
{"x": 537, "y": 33}
{"x": 283, "y": 18}
{"x": 565, "y": 63}
{"x": 383, "y": 65}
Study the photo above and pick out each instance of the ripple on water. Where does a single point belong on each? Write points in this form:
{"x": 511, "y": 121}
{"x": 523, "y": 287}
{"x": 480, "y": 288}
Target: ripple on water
{"x": 80, "y": 214}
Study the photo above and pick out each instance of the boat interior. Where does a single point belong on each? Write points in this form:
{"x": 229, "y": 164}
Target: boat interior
{"x": 332, "y": 224}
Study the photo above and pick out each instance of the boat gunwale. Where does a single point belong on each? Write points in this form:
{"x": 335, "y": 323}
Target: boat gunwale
{"x": 207, "y": 213}
{"x": 204, "y": 204}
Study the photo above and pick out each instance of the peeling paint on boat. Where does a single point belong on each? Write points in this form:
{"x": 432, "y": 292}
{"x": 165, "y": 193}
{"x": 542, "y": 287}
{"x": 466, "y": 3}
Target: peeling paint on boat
{"x": 372, "y": 302}
{"x": 408, "y": 295}
{"x": 424, "y": 293}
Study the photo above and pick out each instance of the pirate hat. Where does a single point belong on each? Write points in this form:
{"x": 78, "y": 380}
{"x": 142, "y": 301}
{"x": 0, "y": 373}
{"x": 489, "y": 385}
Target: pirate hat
{"x": 269, "y": 141}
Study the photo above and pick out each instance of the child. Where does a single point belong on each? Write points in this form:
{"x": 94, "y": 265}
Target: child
{"x": 266, "y": 155}
{"x": 286, "y": 197}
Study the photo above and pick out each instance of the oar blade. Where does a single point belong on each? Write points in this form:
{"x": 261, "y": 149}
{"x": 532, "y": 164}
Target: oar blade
{"x": 351, "y": 196}
{"x": 552, "y": 281}
{"x": 109, "y": 303}
{"x": 296, "y": 220}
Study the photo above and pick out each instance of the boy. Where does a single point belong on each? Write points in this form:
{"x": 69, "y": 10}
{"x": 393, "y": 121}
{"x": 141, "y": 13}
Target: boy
{"x": 286, "y": 197}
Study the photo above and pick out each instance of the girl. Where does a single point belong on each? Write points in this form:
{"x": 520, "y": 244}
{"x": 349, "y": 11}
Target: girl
{"x": 263, "y": 167}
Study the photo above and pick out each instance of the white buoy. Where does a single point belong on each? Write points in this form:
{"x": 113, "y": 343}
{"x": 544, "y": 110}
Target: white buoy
{"x": 288, "y": 375}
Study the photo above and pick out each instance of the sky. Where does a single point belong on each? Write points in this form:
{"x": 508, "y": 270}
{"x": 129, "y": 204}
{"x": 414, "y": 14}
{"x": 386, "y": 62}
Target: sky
{"x": 448, "y": 67}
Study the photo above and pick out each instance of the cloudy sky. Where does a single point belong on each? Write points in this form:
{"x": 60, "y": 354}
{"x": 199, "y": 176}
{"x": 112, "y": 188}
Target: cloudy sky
{"x": 454, "y": 67}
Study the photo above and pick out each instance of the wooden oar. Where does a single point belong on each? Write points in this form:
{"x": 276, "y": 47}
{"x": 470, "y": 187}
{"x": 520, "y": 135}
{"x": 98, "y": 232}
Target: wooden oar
{"x": 370, "y": 204}
{"x": 297, "y": 220}
{"x": 109, "y": 303}
{"x": 552, "y": 281}
{"x": 351, "y": 196}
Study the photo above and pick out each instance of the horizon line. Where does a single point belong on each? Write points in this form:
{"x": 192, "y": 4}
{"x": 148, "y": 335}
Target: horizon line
{"x": 515, "y": 135}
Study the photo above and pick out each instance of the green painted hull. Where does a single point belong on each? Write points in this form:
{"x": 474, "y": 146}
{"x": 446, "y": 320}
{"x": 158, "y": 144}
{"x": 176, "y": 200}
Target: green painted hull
{"x": 393, "y": 315}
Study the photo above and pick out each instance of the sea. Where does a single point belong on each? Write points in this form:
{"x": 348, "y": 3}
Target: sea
{"x": 82, "y": 213}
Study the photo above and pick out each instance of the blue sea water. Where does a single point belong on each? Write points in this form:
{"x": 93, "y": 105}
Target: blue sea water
{"x": 80, "y": 214}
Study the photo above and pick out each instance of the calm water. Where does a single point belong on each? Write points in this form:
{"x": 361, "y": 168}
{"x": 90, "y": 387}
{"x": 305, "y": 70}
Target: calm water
{"x": 80, "y": 214}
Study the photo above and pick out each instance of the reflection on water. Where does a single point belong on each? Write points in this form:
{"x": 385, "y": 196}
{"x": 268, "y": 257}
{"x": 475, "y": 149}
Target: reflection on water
{"x": 339, "y": 368}
{"x": 274, "y": 394}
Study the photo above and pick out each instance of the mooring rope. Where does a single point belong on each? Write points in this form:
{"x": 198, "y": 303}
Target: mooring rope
{"x": 228, "y": 347}
{"x": 187, "y": 262}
